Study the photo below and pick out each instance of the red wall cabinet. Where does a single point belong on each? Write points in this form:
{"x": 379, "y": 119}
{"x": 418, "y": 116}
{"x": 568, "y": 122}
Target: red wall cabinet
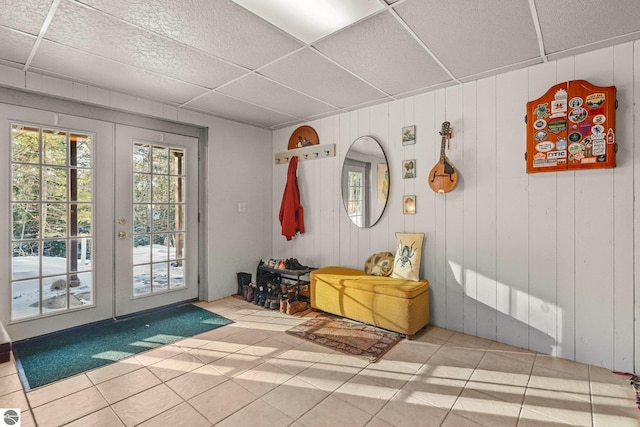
{"x": 572, "y": 126}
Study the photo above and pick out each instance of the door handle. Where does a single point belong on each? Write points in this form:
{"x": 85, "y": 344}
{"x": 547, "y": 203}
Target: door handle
{"x": 122, "y": 235}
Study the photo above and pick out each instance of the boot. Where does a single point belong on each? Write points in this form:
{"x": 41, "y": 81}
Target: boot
{"x": 284, "y": 304}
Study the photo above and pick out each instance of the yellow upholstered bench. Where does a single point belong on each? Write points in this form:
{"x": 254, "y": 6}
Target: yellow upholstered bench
{"x": 395, "y": 304}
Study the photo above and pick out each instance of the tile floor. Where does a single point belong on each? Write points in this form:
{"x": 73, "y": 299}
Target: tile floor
{"x": 251, "y": 373}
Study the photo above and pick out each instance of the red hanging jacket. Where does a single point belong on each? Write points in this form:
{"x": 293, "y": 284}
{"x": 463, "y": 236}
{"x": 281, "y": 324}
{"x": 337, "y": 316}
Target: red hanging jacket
{"x": 291, "y": 213}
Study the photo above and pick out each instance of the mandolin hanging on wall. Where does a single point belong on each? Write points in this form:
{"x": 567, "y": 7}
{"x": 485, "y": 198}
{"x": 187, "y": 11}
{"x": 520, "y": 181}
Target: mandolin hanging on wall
{"x": 443, "y": 176}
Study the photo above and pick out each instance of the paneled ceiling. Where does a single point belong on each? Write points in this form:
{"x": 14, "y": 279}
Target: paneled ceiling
{"x": 216, "y": 57}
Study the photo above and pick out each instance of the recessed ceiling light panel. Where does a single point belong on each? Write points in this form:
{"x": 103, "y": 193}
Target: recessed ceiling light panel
{"x": 310, "y": 20}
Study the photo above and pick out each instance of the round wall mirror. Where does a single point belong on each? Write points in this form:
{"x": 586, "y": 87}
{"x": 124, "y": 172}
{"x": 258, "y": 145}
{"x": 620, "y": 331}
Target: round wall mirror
{"x": 365, "y": 182}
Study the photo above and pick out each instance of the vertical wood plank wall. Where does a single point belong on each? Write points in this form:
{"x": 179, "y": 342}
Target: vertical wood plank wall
{"x": 545, "y": 261}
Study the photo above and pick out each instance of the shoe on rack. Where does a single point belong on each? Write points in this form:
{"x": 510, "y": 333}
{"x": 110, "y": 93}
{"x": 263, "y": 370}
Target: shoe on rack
{"x": 284, "y": 304}
{"x": 296, "y": 306}
{"x": 295, "y": 265}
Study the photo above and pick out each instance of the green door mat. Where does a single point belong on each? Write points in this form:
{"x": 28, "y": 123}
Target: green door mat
{"x": 43, "y": 360}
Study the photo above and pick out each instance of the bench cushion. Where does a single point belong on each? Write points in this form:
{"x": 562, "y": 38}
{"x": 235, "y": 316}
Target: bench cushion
{"x": 356, "y": 279}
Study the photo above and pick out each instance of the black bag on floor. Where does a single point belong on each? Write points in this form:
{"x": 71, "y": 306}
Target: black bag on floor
{"x": 243, "y": 280}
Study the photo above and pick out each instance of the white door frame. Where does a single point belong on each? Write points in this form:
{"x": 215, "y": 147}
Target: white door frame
{"x": 103, "y": 222}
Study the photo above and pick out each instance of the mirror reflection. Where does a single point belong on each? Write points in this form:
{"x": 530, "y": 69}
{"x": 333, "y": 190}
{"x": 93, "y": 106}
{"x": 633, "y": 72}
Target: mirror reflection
{"x": 365, "y": 182}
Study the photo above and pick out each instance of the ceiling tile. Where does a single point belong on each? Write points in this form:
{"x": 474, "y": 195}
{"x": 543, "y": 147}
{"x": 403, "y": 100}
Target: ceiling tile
{"x": 89, "y": 69}
{"x": 310, "y": 73}
{"x": 15, "y": 46}
{"x": 383, "y": 53}
{"x": 473, "y": 36}
{"x": 220, "y": 27}
{"x": 233, "y": 109}
{"x": 261, "y": 91}
{"x": 567, "y": 25}
{"x": 24, "y": 15}
{"x": 91, "y": 31}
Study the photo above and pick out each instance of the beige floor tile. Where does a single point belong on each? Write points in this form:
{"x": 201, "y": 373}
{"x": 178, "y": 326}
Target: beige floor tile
{"x": 562, "y": 406}
{"x": 158, "y": 354}
{"x": 439, "y": 392}
{"x": 223, "y": 346}
{"x": 530, "y": 418}
{"x": 327, "y": 377}
{"x": 504, "y": 368}
{"x": 147, "y": 404}
{"x": 221, "y": 401}
{"x": 180, "y": 415}
{"x": 404, "y": 410}
{"x": 343, "y": 359}
{"x": 501, "y": 392}
{"x": 235, "y": 364}
{"x": 27, "y": 420}
{"x": 10, "y": 383}
{"x": 124, "y": 386}
{"x": 377, "y": 422}
{"x": 365, "y": 393}
{"x": 550, "y": 379}
{"x": 103, "y": 418}
{"x": 114, "y": 370}
{"x": 175, "y": 366}
{"x": 562, "y": 368}
{"x": 387, "y": 377}
{"x": 16, "y": 399}
{"x": 334, "y": 412}
{"x": 206, "y": 356}
{"x": 262, "y": 379}
{"x": 57, "y": 390}
{"x": 69, "y": 408}
{"x": 456, "y": 420}
{"x": 453, "y": 362}
{"x": 468, "y": 341}
{"x": 487, "y": 411}
{"x": 257, "y": 414}
{"x": 411, "y": 352}
{"x": 197, "y": 381}
{"x": 295, "y": 397}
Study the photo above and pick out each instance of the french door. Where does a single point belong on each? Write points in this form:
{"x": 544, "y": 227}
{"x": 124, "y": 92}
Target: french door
{"x": 156, "y": 186}
{"x": 97, "y": 220}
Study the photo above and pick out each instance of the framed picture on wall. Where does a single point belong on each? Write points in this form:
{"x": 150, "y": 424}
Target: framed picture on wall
{"x": 409, "y": 205}
{"x": 408, "y": 135}
{"x": 408, "y": 169}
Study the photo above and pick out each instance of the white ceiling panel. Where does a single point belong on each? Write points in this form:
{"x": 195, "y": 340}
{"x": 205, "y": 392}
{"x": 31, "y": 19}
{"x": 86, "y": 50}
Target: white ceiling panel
{"x": 216, "y": 57}
{"x": 261, "y": 91}
{"x": 15, "y": 46}
{"x": 233, "y": 109}
{"x": 24, "y": 15}
{"x": 384, "y": 54}
{"x": 88, "y": 30}
{"x": 220, "y": 27}
{"x": 569, "y": 25}
{"x": 310, "y": 73}
{"x": 473, "y": 36}
{"x": 79, "y": 66}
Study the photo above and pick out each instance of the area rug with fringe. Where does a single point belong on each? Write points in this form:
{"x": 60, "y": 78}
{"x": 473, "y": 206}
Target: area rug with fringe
{"x": 347, "y": 336}
{"x": 52, "y": 357}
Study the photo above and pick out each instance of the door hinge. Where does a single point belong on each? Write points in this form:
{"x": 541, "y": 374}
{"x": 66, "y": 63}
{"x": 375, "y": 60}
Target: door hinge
{"x": 198, "y": 216}
{"x": 198, "y": 279}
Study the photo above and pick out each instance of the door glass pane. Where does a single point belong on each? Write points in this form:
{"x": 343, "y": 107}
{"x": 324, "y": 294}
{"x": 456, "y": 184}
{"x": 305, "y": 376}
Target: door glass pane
{"x": 158, "y": 209}
{"x": 51, "y": 231}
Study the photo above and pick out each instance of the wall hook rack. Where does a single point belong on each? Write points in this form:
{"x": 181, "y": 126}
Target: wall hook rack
{"x": 311, "y": 152}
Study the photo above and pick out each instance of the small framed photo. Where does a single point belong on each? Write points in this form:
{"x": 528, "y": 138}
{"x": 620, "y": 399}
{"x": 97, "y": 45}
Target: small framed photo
{"x": 409, "y": 205}
{"x": 408, "y": 135}
{"x": 408, "y": 169}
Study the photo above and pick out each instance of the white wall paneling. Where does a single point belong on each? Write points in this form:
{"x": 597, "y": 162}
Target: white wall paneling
{"x": 544, "y": 261}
